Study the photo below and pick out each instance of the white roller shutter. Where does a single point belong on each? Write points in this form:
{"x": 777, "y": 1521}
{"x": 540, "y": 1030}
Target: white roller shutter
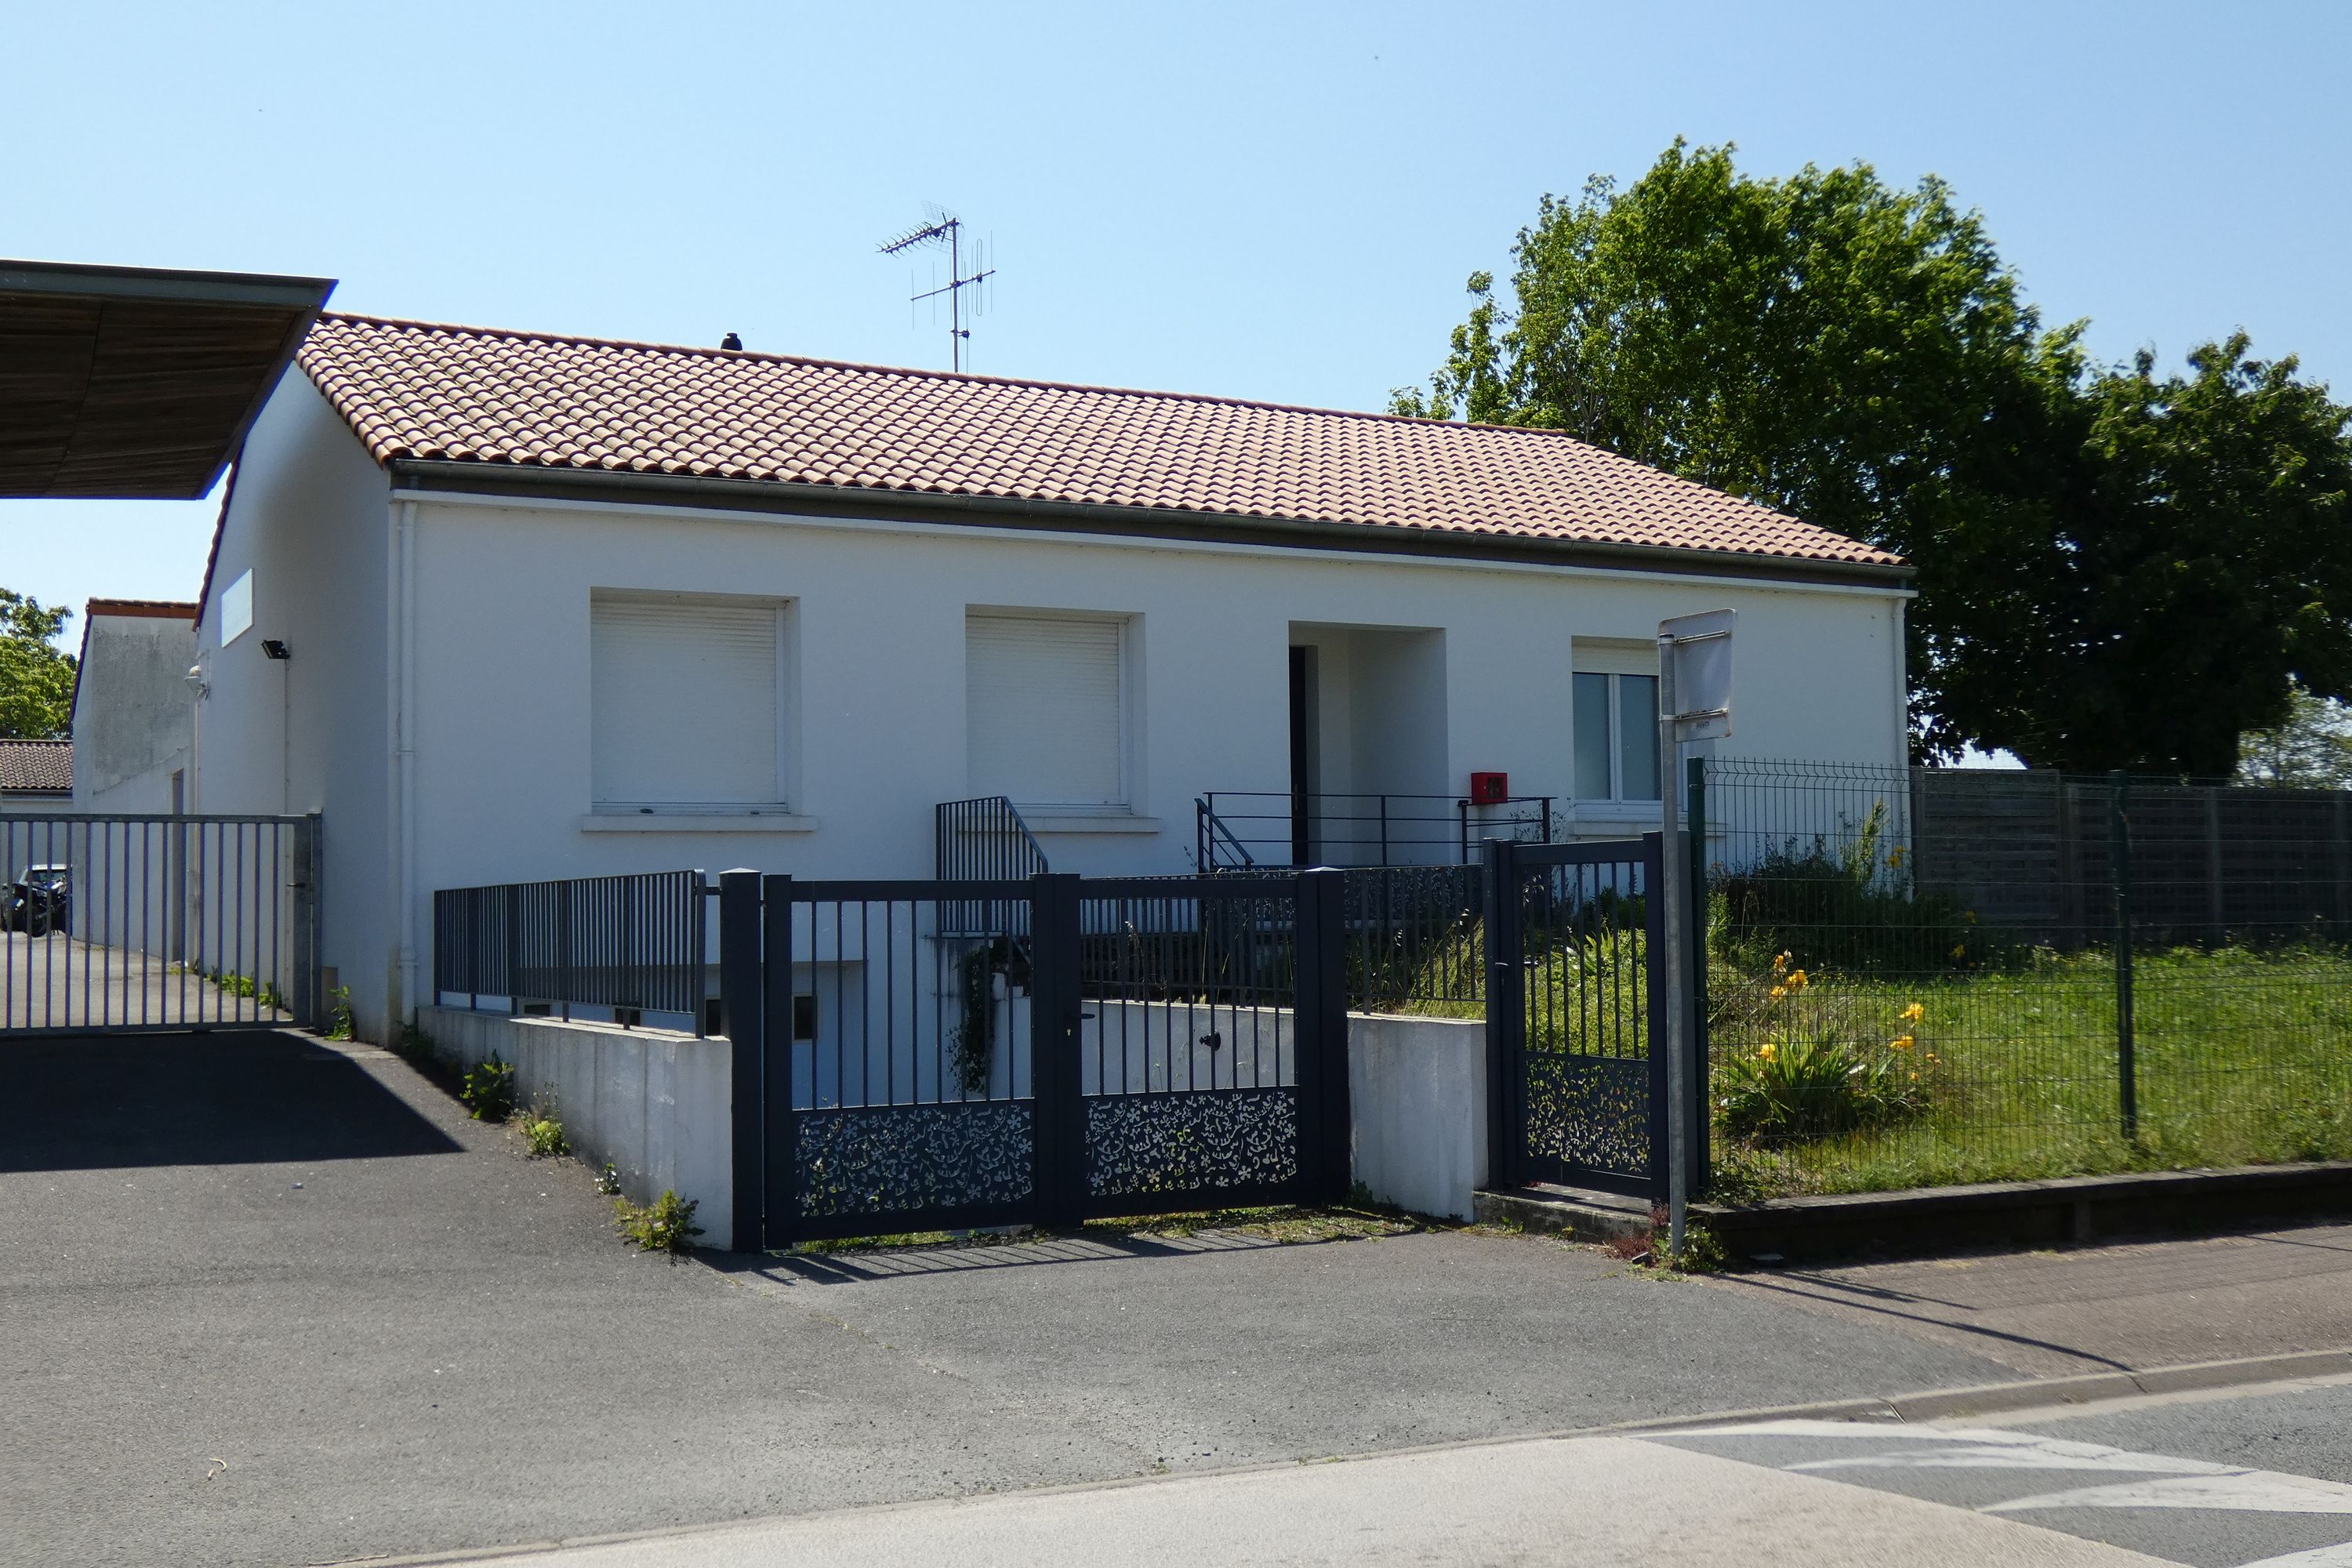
{"x": 684, "y": 698}
{"x": 1042, "y": 697}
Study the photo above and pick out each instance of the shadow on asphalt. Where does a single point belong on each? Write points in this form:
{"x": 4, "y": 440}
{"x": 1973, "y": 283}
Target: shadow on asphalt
{"x": 851, "y": 1267}
{"x": 99, "y": 1102}
{"x": 1891, "y": 1304}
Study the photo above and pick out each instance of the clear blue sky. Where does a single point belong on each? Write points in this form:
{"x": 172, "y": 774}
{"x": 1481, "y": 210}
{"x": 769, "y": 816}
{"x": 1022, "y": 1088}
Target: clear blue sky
{"x": 1273, "y": 201}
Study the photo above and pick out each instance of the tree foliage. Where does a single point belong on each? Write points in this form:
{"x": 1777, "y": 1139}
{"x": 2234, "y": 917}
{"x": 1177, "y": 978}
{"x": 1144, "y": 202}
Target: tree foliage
{"x": 35, "y": 679}
{"x": 2114, "y": 570}
{"x": 2311, "y": 749}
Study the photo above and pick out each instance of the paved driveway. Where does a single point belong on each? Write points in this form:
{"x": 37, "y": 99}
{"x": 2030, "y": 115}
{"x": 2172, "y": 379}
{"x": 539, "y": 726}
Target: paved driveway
{"x": 267, "y": 1301}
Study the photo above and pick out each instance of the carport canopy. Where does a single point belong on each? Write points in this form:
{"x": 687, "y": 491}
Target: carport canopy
{"x": 134, "y": 383}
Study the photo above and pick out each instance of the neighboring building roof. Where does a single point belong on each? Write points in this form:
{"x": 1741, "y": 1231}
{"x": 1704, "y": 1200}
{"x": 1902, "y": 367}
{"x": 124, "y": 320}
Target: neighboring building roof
{"x": 35, "y": 767}
{"x": 145, "y": 609}
{"x": 464, "y": 394}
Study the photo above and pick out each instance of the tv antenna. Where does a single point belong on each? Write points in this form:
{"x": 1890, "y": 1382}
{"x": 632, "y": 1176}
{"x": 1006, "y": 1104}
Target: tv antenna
{"x": 946, "y": 230}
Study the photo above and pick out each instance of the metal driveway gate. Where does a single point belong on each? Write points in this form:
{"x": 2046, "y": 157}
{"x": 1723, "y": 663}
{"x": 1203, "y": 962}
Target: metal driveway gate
{"x": 116, "y": 922}
{"x": 950, "y": 1055}
{"x": 1575, "y": 1004}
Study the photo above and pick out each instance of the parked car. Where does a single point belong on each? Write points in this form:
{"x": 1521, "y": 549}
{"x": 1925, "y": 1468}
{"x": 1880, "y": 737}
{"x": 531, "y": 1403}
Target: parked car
{"x": 40, "y": 901}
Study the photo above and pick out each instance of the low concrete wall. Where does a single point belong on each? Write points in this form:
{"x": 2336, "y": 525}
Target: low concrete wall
{"x": 652, "y": 1103}
{"x": 1417, "y": 1097}
{"x": 657, "y": 1103}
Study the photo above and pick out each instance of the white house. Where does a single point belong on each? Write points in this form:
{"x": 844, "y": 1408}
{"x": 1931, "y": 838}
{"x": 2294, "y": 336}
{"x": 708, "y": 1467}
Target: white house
{"x": 505, "y": 606}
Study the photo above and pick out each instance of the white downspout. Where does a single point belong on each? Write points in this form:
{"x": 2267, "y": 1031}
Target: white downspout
{"x": 400, "y": 825}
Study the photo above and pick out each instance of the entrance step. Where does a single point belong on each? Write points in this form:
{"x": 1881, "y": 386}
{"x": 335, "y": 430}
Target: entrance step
{"x": 1578, "y": 1213}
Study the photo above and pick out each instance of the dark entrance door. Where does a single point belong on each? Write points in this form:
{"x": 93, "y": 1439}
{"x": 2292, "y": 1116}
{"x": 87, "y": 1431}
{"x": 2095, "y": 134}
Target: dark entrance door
{"x": 1576, "y": 1014}
{"x": 1303, "y": 759}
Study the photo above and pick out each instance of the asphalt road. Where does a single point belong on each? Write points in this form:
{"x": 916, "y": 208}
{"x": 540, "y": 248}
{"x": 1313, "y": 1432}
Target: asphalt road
{"x": 2213, "y": 1482}
{"x": 270, "y": 1302}
{"x": 267, "y": 1301}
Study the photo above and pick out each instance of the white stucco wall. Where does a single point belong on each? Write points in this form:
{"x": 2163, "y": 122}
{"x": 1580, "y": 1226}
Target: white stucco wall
{"x": 307, "y": 515}
{"x": 502, "y": 694}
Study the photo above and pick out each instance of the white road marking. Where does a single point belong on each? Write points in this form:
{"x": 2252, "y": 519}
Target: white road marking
{"x": 2337, "y": 1556}
{"x": 2246, "y": 1491}
{"x": 2020, "y": 1451}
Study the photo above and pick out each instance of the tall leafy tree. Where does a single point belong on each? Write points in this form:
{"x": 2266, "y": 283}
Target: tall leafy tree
{"x": 1858, "y": 355}
{"x": 2311, "y": 748}
{"x": 35, "y": 679}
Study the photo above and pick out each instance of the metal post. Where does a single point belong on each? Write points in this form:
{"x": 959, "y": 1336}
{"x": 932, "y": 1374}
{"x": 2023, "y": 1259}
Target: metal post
{"x": 2119, "y": 854}
{"x": 779, "y": 1133}
{"x": 1675, "y": 894}
{"x": 1319, "y": 1035}
{"x": 740, "y": 1017}
{"x": 1702, "y": 1148}
{"x": 1058, "y": 1103}
{"x": 1506, "y": 1012}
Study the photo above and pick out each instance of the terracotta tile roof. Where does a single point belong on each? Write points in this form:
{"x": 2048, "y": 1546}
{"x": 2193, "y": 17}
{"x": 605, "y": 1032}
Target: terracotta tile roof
{"x": 35, "y": 767}
{"x": 471, "y": 395}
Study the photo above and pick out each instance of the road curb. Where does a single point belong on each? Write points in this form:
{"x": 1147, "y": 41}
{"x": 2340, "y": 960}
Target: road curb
{"x": 2028, "y": 1394}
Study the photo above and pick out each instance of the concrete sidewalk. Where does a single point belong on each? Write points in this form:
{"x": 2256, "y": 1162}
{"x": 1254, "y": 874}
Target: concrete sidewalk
{"x": 1596, "y": 1502}
{"x": 2125, "y": 1306}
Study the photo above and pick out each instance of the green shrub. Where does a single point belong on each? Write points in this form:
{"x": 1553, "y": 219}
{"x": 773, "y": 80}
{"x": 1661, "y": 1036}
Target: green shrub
{"x": 1852, "y": 906}
{"x": 412, "y": 1042}
{"x": 339, "y": 1013}
{"x": 490, "y": 1090}
{"x": 543, "y": 1131}
{"x": 1828, "y": 1065}
{"x": 666, "y": 1224}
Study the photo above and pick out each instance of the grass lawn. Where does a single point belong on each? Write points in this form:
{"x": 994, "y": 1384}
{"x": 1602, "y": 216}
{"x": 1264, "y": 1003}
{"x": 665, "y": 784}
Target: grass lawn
{"x": 2242, "y": 1058}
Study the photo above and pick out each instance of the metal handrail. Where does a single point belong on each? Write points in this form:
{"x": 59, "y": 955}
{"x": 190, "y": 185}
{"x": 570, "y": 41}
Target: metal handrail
{"x": 1382, "y": 825}
{"x": 1007, "y": 849}
{"x": 1209, "y": 830}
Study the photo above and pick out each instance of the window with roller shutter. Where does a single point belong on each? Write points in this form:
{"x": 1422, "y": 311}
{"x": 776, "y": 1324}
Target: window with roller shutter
{"x": 687, "y": 697}
{"x": 1046, "y": 709}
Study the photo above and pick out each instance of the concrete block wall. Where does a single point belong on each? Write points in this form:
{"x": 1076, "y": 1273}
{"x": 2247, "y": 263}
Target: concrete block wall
{"x": 654, "y": 1102}
{"x": 1417, "y": 1100}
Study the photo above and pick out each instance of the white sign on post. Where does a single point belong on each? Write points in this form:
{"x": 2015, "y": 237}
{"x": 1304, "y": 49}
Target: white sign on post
{"x": 1699, "y": 647}
{"x": 1693, "y": 704}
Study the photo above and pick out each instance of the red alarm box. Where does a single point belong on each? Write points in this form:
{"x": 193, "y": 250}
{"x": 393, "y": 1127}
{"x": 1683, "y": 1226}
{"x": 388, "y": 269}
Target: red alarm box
{"x": 1489, "y": 789}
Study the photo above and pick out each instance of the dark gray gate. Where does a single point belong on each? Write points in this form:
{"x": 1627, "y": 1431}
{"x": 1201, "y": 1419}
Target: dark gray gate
{"x": 1576, "y": 1014}
{"x": 951, "y": 1055}
{"x": 112, "y": 922}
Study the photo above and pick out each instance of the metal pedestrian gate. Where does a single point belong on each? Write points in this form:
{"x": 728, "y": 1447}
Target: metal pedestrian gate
{"x": 1576, "y": 1014}
{"x": 958, "y": 1055}
{"x": 110, "y": 923}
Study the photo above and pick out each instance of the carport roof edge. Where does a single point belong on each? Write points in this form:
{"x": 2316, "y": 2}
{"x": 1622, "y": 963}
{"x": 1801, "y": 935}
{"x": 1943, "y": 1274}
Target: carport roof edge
{"x": 137, "y": 382}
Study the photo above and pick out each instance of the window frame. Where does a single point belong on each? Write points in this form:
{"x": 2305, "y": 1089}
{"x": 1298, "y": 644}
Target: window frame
{"x": 1616, "y": 689}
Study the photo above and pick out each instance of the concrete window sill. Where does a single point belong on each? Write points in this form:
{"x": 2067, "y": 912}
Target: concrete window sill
{"x": 679, "y": 822}
{"x": 1116, "y": 822}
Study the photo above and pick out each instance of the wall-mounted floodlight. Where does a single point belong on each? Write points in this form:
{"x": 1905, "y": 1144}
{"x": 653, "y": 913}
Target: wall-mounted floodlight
{"x": 196, "y": 682}
{"x": 274, "y": 648}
